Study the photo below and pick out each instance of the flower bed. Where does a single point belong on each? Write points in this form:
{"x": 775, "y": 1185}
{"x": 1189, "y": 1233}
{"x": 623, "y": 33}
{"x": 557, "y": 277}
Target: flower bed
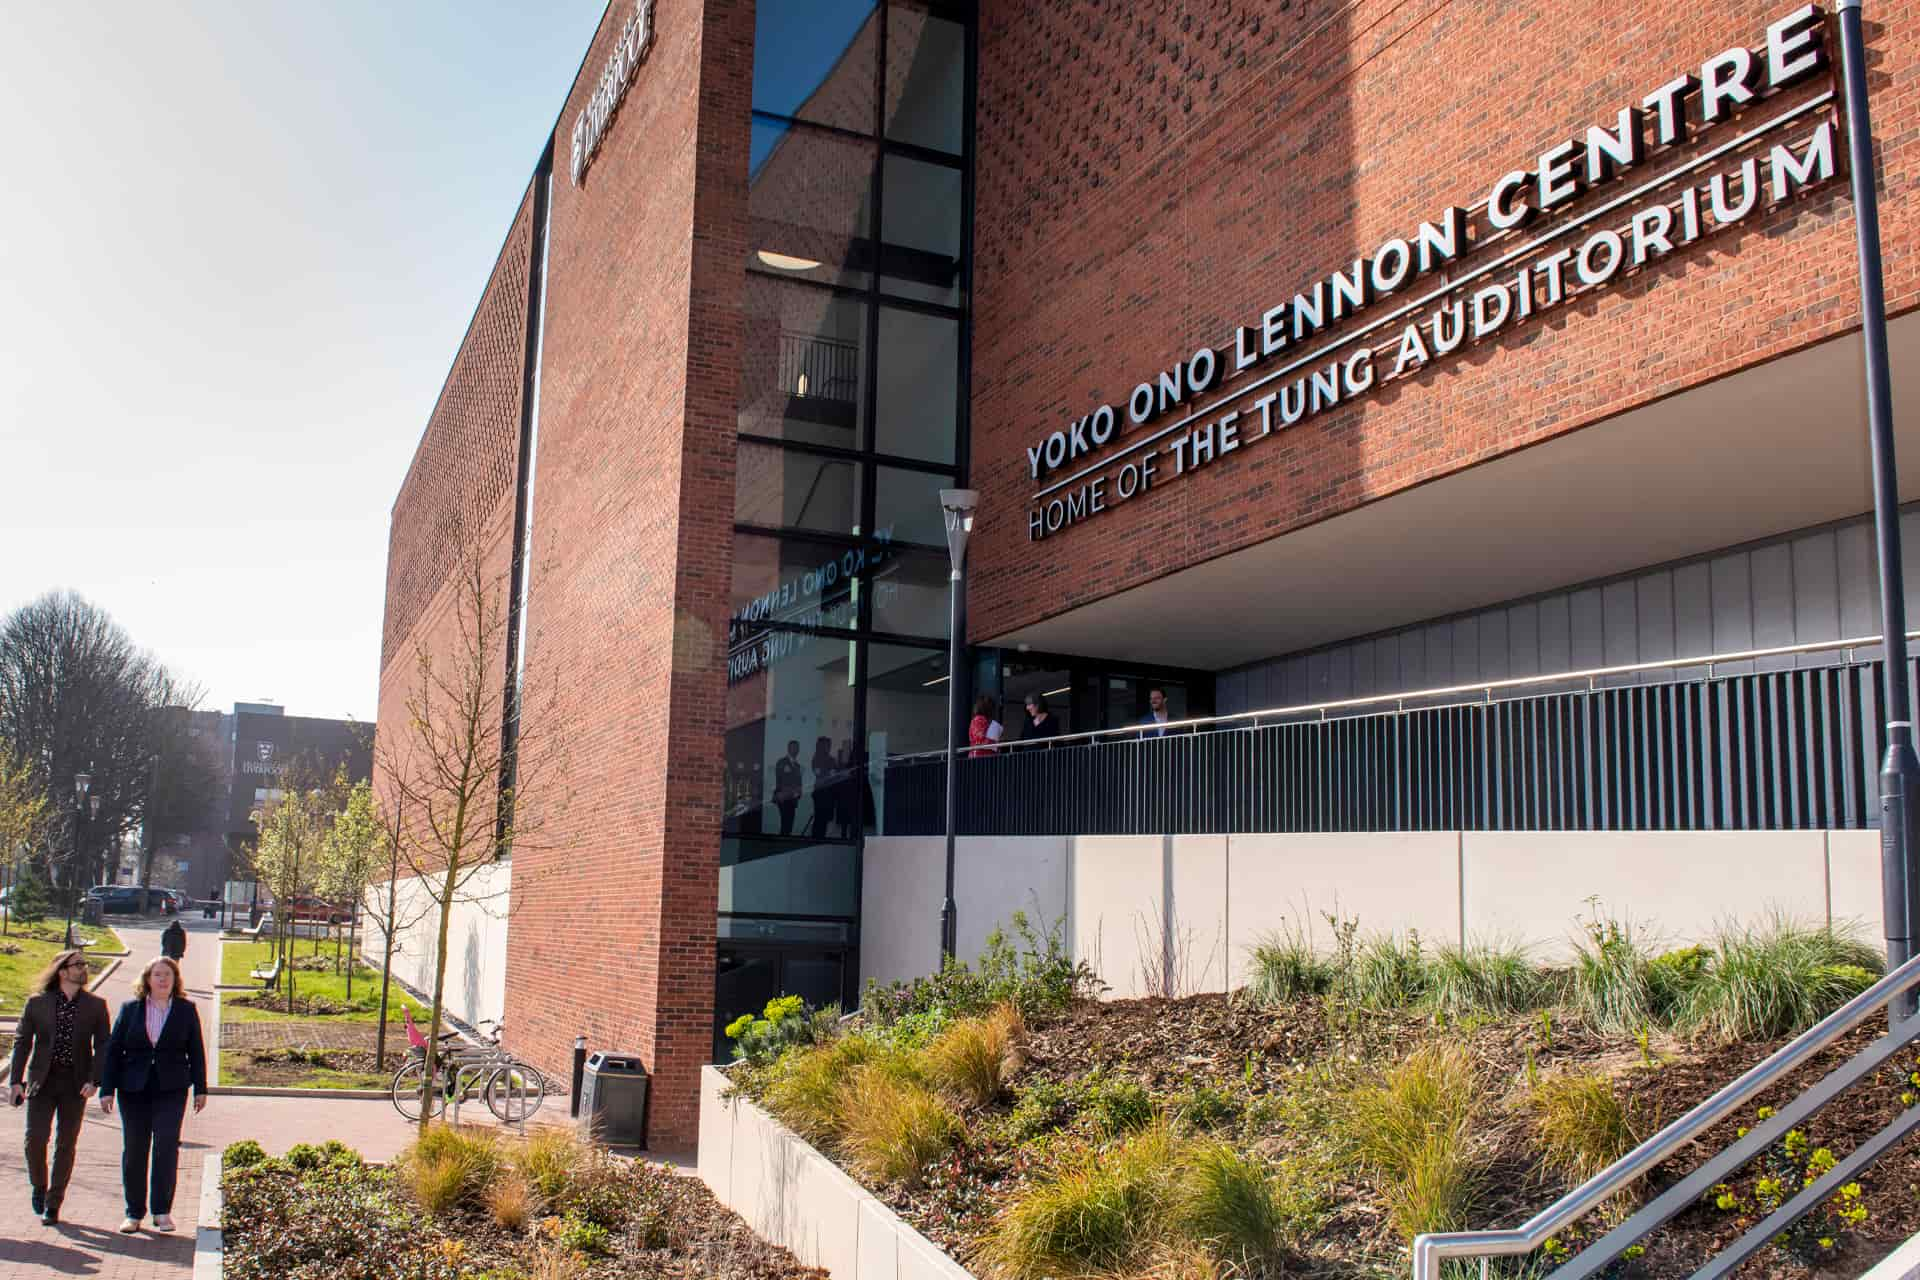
{"x": 1347, "y": 1100}
{"x": 472, "y": 1205}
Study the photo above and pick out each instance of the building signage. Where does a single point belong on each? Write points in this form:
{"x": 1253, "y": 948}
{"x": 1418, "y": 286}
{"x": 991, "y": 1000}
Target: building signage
{"x": 591, "y": 125}
{"x": 264, "y": 760}
{"x": 1526, "y": 274}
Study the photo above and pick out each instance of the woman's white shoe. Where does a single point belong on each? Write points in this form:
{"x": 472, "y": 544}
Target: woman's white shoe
{"x": 162, "y": 1222}
{"x": 128, "y": 1226}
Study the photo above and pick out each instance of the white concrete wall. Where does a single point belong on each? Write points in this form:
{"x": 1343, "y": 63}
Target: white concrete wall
{"x": 1160, "y": 914}
{"x": 476, "y": 941}
{"x": 797, "y": 1198}
{"x": 903, "y": 884}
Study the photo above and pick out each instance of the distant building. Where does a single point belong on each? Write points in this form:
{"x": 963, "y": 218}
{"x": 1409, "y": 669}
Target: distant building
{"x": 255, "y": 750}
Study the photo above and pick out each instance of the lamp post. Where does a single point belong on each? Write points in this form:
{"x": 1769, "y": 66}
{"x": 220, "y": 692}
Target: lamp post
{"x": 82, "y": 805}
{"x": 1899, "y": 770}
{"x": 957, "y": 505}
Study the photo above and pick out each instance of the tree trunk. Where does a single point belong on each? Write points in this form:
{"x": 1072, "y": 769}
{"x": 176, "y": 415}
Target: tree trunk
{"x": 386, "y": 967}
{"x": 440, "y": 967}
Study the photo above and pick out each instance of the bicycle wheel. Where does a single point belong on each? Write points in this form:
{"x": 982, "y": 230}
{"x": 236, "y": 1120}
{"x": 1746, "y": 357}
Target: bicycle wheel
{"x": 514, "y": 1092}
{"x": 413, "y": 1093}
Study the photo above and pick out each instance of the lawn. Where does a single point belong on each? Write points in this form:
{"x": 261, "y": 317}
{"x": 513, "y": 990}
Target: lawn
{"x": 317, "y": 994}
{"x": 27, "y": 949}
{"x": 305, "y": 1069}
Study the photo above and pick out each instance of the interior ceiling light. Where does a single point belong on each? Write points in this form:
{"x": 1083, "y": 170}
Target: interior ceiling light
{"x": 785, "y": 262}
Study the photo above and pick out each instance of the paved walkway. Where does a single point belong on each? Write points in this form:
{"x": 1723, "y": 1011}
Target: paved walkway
{"x": 85, "y": 1243}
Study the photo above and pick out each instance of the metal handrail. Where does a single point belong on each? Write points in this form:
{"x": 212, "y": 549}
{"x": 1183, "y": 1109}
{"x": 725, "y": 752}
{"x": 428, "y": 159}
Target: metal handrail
{"x": 1430, "y": 1250}
{"x": 1251, "y": 719}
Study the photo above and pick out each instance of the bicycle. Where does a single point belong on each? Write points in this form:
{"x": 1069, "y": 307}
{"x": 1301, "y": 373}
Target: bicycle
{"x": 513, "y": 1090}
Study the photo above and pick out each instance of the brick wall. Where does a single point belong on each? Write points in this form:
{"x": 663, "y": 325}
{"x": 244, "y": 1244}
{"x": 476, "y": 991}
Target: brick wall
{"x": 1151, "y": 175}
{"x": 612, "y": 933}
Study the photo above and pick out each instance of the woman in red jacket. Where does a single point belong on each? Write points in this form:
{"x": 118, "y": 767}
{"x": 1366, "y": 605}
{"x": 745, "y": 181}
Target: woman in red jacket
{"x": 983, "y": 728}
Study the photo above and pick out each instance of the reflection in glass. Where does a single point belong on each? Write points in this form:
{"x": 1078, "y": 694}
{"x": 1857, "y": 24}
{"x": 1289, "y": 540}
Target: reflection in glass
{"x": 815, "y": 60}
{"x": 804, "y": 365}
{"x": 782, "y": 582}
{"x": 926, "y": 79}
{"x": 910, "y": 594}
{"x": 922, "y": 235}
{"x": 906, "y": 707}
{"x": 790, "y": 735}
{"x": 782, "y": 489}
{"x": 908, "y": 503}
{"x": 810, "y": 205}
{"x": 919, "y": 378}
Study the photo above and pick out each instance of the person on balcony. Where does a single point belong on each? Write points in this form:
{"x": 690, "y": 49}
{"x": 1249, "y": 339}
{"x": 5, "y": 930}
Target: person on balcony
{"x": 984, "y": 729}
{"x": 1157, "y": 700}
{"x": 1041, "y": 723}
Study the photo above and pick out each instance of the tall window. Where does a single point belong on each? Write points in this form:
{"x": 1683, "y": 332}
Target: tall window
{"x": 852, "y": 417}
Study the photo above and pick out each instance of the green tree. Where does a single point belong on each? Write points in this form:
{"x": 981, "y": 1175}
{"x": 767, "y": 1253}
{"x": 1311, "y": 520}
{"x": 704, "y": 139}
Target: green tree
{"x": 352, "y": 856}
{"x": 31, "y": 899}
{"x": 288, "y": 859}
{"x": 23, "y": 819}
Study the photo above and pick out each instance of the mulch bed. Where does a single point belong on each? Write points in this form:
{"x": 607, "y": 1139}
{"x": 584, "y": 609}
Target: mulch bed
{"x": 357, "y": 1224}
{"x": 275, "y": 1002}
{"x": 268, "y": 1069}
{"x": 1172, "y": 1046}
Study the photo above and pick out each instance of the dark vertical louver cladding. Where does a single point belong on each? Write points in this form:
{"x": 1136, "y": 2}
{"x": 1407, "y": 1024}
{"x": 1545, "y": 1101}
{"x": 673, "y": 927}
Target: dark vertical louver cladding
{"x": 1772, "y": 750}
{"x": 523, "y": 498}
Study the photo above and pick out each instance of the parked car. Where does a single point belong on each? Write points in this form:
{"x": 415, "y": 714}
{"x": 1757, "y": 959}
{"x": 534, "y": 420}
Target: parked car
{"x": 316, "y": 910}
{"x": 117, "y": 899}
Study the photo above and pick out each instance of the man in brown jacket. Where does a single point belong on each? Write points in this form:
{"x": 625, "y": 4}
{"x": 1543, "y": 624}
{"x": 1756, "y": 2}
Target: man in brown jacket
{"x": 58, "y": 1053}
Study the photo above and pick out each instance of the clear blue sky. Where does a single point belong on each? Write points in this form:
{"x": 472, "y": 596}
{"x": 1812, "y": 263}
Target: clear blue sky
{"x": 241, "y": 244}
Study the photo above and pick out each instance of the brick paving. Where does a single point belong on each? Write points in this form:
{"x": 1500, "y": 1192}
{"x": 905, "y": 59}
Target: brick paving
{"x": 85, "y": 1243}
{"x": 359, "y": 1036}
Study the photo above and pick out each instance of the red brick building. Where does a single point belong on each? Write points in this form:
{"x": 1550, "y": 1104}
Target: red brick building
{"x": 1298, "y": 352}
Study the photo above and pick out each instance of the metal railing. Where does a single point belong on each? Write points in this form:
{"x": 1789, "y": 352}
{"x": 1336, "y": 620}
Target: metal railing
{"x": 1430, "y": 1251}
{"x": 826, "y": 368}
{"x": 1597, "y": 749}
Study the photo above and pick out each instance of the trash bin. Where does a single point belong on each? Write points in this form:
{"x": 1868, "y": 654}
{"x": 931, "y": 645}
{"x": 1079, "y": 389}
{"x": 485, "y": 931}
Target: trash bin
{"x": 90, "y": 911}
{"x": 613, "y": 1100}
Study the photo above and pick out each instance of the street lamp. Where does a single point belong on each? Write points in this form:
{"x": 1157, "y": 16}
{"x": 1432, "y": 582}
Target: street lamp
{"x": 1899, "y": 770}
{"x": 957, "y": 505}
{"x": 82, "y": 804}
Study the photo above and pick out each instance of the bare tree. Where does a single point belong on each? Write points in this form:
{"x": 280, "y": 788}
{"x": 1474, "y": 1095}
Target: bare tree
{"x": 78, "y": 697}
{"x": 288, "y": 859}
{"x": 183, "y": 777}
{"x": 389, "y": 912}
{"x": 472, "y": 747}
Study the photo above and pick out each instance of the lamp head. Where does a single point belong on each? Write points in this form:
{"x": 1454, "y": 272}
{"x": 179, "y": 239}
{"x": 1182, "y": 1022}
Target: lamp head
{"x": 958, "y": 505}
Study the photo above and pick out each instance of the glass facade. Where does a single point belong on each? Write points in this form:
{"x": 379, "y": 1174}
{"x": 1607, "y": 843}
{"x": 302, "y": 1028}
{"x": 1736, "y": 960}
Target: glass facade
{"x": 852, "y": 416}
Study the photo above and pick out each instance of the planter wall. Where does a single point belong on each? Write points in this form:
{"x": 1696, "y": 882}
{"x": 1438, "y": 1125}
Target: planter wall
{"x": 797, "y": 1198}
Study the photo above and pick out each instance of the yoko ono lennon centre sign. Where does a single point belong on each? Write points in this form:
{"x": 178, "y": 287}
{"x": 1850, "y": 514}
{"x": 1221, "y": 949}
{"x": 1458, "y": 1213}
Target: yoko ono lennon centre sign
{"x": 1766, "y": 164}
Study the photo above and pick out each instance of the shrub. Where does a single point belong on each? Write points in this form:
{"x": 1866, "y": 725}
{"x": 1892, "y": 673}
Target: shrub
{"x": 785, "y": 1023}
{"x": 895, "y": 1128}
{"x": 1096, "y": 1212}
{"x": 1582, "y": 1123}
{"x": 1612, "y": 986}
{"x": 1414, "y": 1132}
{"x": 1389, "y": 972}
{"x": 510, "y": 1199}
{"x": 243, "y": 1154}
{"x": 1672, "y": 975}
{"x": 1043, "y": 1107}
{"x": 1036, "y": 977}
{"x": 582, "y": 1235}
{"x": 1227, "y": 1202}
{"x": 1285, "y": 968}
{"x": 1775, "y": 979}
{"x": 598, "y": 1190}
{"x": 31, "y": 900}
{"x": 1204, "y": 1108}
{"x": 807, "y": 1091}
{"x": 1117, "y": 1106}
{"x": 972, "y": 1060}
{"x": 447, "y": 1168}
{"x": 1484, "y": 978}
{"x": 547, "y": 1159}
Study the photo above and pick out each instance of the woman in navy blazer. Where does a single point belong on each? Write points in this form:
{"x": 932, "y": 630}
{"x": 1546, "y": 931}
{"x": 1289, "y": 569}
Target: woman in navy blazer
{"x": 154, "y": 1056}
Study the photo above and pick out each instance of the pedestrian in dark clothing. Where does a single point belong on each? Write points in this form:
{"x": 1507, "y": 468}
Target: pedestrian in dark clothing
{"x": 787, "y": 779}
{"x": 154, "y": 1057}
{"x": 173, "y": 941}
{"x": 58, "y": 1054}
{"x": 826, "y": 797}
{"x": 1041, "y": 723}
